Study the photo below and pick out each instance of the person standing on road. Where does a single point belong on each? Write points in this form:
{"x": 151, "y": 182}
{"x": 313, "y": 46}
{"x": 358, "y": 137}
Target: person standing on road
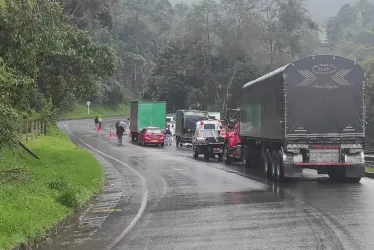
{"x": 100, "y": 120}
{"x": 168, "y": 135}
{"x": 120, "y": 129}
{"x": 128, "y": 121}
{"x": 96, "y": 122}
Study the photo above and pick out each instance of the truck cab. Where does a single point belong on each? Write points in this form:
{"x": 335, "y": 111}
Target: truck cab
{"x": 206, "y": 139}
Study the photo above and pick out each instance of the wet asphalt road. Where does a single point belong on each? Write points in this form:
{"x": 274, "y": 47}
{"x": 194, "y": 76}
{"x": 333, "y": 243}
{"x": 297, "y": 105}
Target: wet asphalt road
{"x": 161, "y": 198}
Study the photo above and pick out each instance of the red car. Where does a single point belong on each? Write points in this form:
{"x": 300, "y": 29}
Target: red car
{"x": 151, "y": 136}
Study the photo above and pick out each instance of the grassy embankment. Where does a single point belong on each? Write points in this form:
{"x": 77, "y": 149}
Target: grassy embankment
{"x": 37, "y": 194}
{"x": 80, "y": 111}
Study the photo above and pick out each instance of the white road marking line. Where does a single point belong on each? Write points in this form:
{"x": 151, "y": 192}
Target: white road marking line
{"x": 144, "y": 199}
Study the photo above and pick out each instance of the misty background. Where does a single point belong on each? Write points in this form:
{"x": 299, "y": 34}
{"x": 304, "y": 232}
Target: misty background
{"x": 320, "y": 10}
{"x": 190, "y": 55}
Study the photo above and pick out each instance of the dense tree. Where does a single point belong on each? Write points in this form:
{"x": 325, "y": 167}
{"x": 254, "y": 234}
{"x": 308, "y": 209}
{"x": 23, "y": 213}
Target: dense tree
{"x": 45, "y": 62}
{"x": 350, "y": 33}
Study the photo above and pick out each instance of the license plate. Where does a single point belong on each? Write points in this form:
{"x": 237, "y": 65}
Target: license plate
{"x": 216, "y": 150}
{"x": 154, "y": 141}
{"x": 324, "y": 155}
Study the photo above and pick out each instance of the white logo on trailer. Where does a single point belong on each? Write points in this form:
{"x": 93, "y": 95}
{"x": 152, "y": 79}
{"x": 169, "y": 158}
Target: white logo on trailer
{"x": 309, "y": 78}
{"x": 339, "y": 77}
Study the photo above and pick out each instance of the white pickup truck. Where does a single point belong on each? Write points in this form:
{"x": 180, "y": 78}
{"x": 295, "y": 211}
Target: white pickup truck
{"x": 206, "y": 139}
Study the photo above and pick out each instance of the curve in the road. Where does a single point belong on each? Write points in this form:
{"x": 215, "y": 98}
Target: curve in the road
{"x": 145, "y": 194}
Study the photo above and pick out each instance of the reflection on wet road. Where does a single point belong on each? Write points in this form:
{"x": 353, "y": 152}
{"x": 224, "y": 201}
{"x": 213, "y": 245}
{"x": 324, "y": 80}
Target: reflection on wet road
{"x": 193, "y": 204}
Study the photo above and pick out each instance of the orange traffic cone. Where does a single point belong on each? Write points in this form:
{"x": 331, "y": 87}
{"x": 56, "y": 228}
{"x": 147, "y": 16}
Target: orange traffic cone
{"x": 98, "y": 129}
{"x": 110, "y": 134}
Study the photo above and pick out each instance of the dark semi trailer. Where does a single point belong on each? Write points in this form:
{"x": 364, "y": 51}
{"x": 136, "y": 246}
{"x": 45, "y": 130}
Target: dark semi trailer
{"x": 307, "y": 114}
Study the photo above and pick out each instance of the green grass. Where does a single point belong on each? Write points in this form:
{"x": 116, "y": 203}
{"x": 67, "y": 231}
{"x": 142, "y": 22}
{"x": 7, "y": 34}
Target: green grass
{"x": 80, "y": 111}
{"x": 37, "y": 194}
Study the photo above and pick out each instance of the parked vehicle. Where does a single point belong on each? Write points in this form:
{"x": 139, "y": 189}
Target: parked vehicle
{"x": 232, "y": 150}
{"x": 307, "y": 114}
{"x": 184, "y": 123}
{"x": 206, "y": 139}
{"x": 151, "y": 136}
{"x": 145, "y": 114}
{"x": 214, "y": 115}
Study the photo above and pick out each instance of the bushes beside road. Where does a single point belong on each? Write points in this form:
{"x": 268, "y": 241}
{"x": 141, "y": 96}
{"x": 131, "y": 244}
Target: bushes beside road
{"x": 37, "y": 194}
{"x": 80, "y": 111}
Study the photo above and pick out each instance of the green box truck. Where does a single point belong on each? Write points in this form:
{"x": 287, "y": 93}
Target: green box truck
{"x": 146, "y": 114}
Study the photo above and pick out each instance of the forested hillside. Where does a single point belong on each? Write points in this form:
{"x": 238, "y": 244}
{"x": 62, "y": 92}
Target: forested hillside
{"x": 190, "y": 56}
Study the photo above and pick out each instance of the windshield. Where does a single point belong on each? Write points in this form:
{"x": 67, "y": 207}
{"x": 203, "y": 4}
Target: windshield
{"x": 154, "y": 130}
{"x": 207, "y": 133}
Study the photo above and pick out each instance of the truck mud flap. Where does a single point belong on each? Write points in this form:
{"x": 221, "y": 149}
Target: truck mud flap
{"x": 292, "y": 171}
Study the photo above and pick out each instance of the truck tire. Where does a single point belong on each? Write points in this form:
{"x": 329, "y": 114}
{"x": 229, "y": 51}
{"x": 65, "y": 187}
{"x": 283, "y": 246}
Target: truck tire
{"x": 206, "y": 157}
{"x": 226, "y": 154}
{"x": 220, "y": 157}
{"x": 267, "y": 164}
{"x": 274, "y": 164}
{"x": 280, "y": 168}
{"x": 245, "y": 157}
{"x": 195, "y": 153}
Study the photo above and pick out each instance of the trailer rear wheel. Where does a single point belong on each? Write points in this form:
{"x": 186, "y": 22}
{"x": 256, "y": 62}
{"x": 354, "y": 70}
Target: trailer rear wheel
{"x": 267, "y": 163}
{"x": 273, "y": 164}
{"x": 280, "y": 168}
{"x": 245, "y": 160}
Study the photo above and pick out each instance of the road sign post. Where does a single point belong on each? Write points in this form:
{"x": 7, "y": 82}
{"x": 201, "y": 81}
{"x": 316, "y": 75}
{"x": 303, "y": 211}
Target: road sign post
{"x": 88, "y": 107}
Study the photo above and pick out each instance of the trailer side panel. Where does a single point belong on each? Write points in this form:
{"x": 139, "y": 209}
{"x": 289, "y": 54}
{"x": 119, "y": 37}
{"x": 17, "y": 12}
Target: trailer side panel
{"x": 325, "y": 96}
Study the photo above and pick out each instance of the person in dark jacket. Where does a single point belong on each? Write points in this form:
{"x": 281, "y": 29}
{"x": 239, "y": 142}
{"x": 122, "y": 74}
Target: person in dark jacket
{"x": 168, "y": 135}
{"x": 120, "y": 129}
{"x": 96, "y": 122}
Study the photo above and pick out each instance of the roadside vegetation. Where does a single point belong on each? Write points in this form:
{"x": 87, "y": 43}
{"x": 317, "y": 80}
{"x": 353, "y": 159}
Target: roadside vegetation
{"x": 80, "y": 111}
{"x": 36, "y": 194}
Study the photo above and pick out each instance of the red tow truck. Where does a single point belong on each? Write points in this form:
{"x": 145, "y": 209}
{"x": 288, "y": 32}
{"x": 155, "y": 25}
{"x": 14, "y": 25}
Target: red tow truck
{"x": 232, "y": 149}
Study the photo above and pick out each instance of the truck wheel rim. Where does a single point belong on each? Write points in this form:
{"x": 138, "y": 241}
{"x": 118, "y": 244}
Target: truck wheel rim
{"x": 266, "y": 164}
{"x": 278, "y": 169}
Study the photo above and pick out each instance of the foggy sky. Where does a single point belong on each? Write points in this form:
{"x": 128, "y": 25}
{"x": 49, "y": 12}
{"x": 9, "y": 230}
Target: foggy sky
{"x": 320, "y": 10}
